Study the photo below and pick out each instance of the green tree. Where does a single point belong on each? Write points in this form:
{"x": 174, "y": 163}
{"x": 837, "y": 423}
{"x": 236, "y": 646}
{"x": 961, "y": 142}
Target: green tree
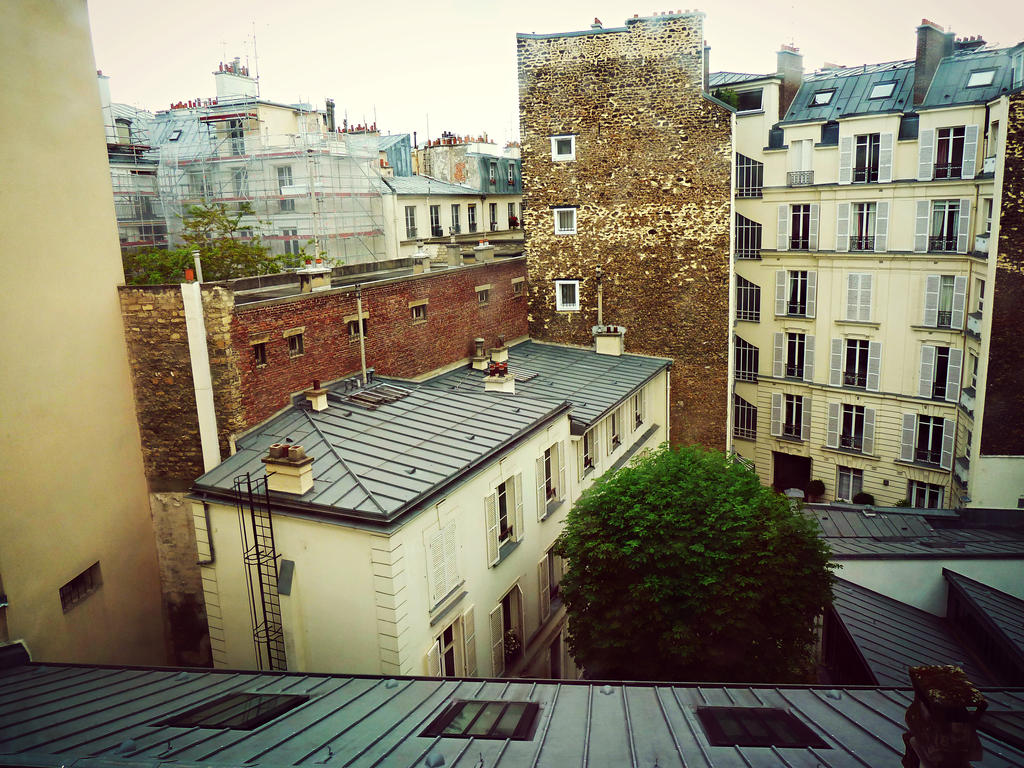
{"x": 682, "y": 566}
{"x": 728, "y": 95}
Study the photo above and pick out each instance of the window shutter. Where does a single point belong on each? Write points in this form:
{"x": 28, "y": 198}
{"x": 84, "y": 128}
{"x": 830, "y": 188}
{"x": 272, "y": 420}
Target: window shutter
{"x": 864, "y": 313}
{"x": 433, "y": 661}
{"x": 874, "y": 366}
{"x": 561, "y": 490}
{"x": 783, "y": 232}
{"x": 808, "y": 358}
{"x": 927, "y": 378}
{"x": 579, "y": 459}
{"x": 812, "y": 230}
{"x": 491, "y": 520}
{"x": 519, "y": 507}
{"x": 868, "y": 445}
{"x": 956, "y": 362}
{"x": 846, "y": 159}
{"x": 776, "y": 413}
{"x": 959, "y": 301}
{"x": 812, "y": 292}
{"x": 497, "y": 642}
{"x": 779, "y": 361}
{"x": 925, "y": 154}
{"x": 780, "y": 292}
{"x": 842, "y": 227}
{"x": 835, "y": 367}
{"x": 970, "y": 152}
{"x": 921, "y": 227}
{"x": 805, "y": 421}
{"x": 853, "y": 296}
{"x": 931, "y": 301}
{"x": 437, "y": 580}
{"x": 885, "y": 144}
{"x": 542, "y": 499}
{"x": 963, "y": 226}
{"x": 832, "y": 435}
{"x": 948, "y": 433}
{"x": 545, "y": 592}
{"x": 451, "y": 570}
{"x": 907, "y": 437}
{"x": 882, "y": 226}
{"x": 469, "y": 640}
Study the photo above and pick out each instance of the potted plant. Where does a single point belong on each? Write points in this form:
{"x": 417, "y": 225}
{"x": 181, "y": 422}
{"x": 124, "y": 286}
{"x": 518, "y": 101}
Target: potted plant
{"x": 863, "y": 498}
{"x": 815, "y": 490}
{"x": 512, "y": 644}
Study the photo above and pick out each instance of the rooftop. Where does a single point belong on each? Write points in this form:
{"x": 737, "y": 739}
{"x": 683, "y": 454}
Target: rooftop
{"x": 720, "y": 79}
{"x": 1002, "y": 613}
{"x": 952, "y": 83}
{"x": 834, "y": 93}
{"x": 423, "y": 185}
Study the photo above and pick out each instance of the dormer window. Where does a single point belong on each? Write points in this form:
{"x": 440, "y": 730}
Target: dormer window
{"x": 981, "y": 78}
{"x": 882, "y": 90}
{"x": 821, "y": 98}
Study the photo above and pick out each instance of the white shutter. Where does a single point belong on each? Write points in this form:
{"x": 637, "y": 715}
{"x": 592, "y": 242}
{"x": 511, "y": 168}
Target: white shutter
{"x": 469, "y": 640}
{"x": 927, "y": 378}
{"x": 805, "y": 420}
{"x": 519, "y": 508}
{"x": 948, "y": 433}
{"x": 959, "y": 301}
{"x": 779, "y": 361}
{"x": 812, "y": 232}
{"x": 437, "y": 580}
{"x": 782, "y": 243}
{"x": 907, "y": 437}
{"x": 451, "y": 570}
{"x": 545, "y": 591}
{"x": 874, "y": 366}
{"x": 781, "y": 299}
{"x": 842, "y": 227}
{"x": 931, "y": 300}
{"x": 433, "y": 661}
{"x": 832, "y": 432}
{"x": 885, "y": 144}
{"x": 835, "y": 367}
{"x": 776, "y": 413}
{"x": 579, "y": 460}
{"x": 497, "y": 642}
{"x": 956, "y": 362}
{"x": 868, "y": 445}
{"x": 970, "y": 152}
{"x": 808, "y": 358}
{"x": 921, "y": 227}
{"x": 846, "y": 159}
{"x": 812, "y": 293}
{"x": 853, "y": 296}
{"x": 562, "y": 485}
{"x": 882, "y": 226}
{"x": 542, "y": 497}
{"x": 864, "y": 309}
{"x": 491, "y": 521}
{"x": 963, "y": 226}
{"x": 925, "y": 154}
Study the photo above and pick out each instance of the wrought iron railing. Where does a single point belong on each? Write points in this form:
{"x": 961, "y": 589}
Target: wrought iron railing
{"x": 800, "y": 178}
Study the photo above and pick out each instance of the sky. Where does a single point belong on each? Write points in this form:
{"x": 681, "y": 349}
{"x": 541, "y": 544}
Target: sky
{"x": 434, "y": 65}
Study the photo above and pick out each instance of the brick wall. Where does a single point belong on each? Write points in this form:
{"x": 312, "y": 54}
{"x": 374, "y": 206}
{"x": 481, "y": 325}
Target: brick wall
{"x": 1003, "y": 427}
{"x": 651, "y": 182}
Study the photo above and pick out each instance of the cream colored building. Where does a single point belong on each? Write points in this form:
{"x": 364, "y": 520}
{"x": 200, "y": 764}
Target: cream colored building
{"x": 78, "y": 561}
{"x": 862, "y": 224}
{"x": 418, "y": 538}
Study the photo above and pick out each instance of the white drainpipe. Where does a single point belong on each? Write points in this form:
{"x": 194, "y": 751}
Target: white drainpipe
{"x": 195, "y": 326}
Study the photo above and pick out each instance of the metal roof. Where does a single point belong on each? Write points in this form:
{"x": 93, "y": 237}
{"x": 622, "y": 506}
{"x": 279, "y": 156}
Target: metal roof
{"x": 864, "y": 523}
{"x": 949, "y": 84}
{"x": 423, "y": 185}
{"x": 852, "y": 90}
{"x": 1005, "y": 612}
{"x": 719, "y": 79}
{"x": 98, "y": 717}
{"x": 390, "y": 140}
{"x": 892, "y": 636}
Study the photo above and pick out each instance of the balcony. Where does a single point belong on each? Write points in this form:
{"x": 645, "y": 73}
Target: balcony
{"x": 962, "y": 470}
{"x": 472, "y": 226}
{"x": 794, "y": 371}
{"x": 967, "y": 399}
{"x": 791, "y": 431}
{"x": 944, "y": 318}
{"x": 942, "y": 244}
{"x": 800, "y": 178}
{"x": 410, "y": 233}
{"x": 455, "y": 229}
{"x": 436, "y": 230}
{"x": 862, "y": 243}
{"x": 494, "y": 226}
{"x": 865, "y": 174}
{"x": 948, "y": 170}
{"x": 974, "y": 324}
{"x": 855, "y": 380}
{"x": 799, "y": 243}
{"x": 851, "y": 442}
{"x": 928, "y": 456}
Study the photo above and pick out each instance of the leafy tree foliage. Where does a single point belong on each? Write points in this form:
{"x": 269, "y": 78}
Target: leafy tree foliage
{"x": 683, "y": 566}
{"x": 214, "y": 231}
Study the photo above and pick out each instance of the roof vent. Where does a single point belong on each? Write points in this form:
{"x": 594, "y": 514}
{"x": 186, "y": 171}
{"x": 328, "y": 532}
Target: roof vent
{"x": 317, "y": 396}
{"x": 289, "y": 469}
{"x": 499, "y": 379}
{"x": 480, "y": 359}
{"x": 609, "y": 339}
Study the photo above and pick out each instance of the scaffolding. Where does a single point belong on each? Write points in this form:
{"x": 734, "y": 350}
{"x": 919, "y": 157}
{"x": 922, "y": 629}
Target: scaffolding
{"x": 133, "y": 174}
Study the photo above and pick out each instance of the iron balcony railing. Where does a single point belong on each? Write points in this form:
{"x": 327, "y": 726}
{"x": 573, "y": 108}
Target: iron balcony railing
{"x": 794, "y": 371}
{"x": 796, "y": 309}
{"x": 948, "y": 170}
{"x": 800, "y": 178}
{"x": 851, "y": 442}
{"x": 865, "y": 174}
{"x": 942, "y": 243}
{"x": 437, "y": 231}
{"x": 862, "y": 243}
{"x": 410, "y": 233}
{"x": 855, "y": 379}
{"x": 928, "y": 455}
{"x": 791, "y": 430}
{"x": 799, "y": 244}
{"x": 944, "y": 318}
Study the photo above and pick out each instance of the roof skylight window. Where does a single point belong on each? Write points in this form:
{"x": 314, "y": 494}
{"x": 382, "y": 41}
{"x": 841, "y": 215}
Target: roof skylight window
{"x": 486, "y": 720}
{"x": 881, "y": 90}
{"x": 175, "y": 135}
{"x": 980, "y": 78}
{"x": 237, "y": 711}
{"x": 821, "y": 98}
{"x": 756, "y": 727}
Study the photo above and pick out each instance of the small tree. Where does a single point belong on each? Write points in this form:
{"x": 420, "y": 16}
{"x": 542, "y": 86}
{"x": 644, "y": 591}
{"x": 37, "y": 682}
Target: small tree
{"x": 683, "y": 566}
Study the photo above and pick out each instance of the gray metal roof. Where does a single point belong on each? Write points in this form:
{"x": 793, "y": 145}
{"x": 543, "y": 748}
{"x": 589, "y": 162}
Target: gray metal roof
{"x": 852, "y": 88}
{"x": 423, "y": 185}
{"x": 1004, "y": 612}
{"x": 720, "y": 79}
{"x": 949, "y": 84}
{"x": 859, "y": 522}
{"x": 893, "y": 636}
{"x": 98, "y": 717}
{"x": 390, "y": 140}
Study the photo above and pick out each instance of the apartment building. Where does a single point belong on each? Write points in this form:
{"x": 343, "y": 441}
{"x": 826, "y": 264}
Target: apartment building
{"x": 864, "y": 274}
{"x": 396, "y": 527}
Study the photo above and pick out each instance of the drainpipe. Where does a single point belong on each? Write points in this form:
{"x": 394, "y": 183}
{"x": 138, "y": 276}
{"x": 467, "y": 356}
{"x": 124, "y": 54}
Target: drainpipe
{"x": 199, "y": 266}
{"x": 600, "y": 299}
{"x": 362, "y": 337}
{"x": 195, "y": 326}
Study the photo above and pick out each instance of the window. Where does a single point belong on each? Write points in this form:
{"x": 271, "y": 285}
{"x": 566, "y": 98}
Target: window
{"x": 517, "y": 286}
{"x": 471, "y": 217}
{"x": 515, "y": 720}
{"x": 175, "y": 135}
{"x": 483, "y": 297}
{"x": 442, "y": 572}
{"x": 748, "y": 101}
{"x": 949, "y": 152}
{"x": 494, "y": 171}
{"x": 503, "y": 514}
{"x": 511, "y": 173}
{"x": 746, "y": 360}
{"x": 295, "y": 345}
{"x": 800, "y": 231}
{"x": 980, "y": 295}
{"x": 882, "y": 90}
{"x": 946, "y": 287}
{"x": 756, "y": 727}
{"x": 924, "y": 495}
{"x": 796, "y": 303}
{"x": 506, "y": 524}
{"x": 353, "y": 327}
{"x": 795, "y": 293}
{"x": 973, "y": 368}
{"x": 549, "y": 571}
{"x": 550, "y": 479}
{"x": 446, "y": 652}
{"x": 456, "y": 224}
{"x": 236, "y": 137}
{"x": 198, "y": 184}
{"x": 980, "y": 78}
{"x": 637, "y": 405}
{"x": 435, "y": 221}
{"x": 587, "y": 451}
{"x": 849, "y": 483}
{"x": 830, "y": 133}
{"x": 410, "y": 221}
{"x": 929, "y": 439}
{"x": 80, "y": 587}
{"x": 744, "y": 419}
{"x": 748, "y": 238}
{"x": 749, "y": 176}
{"x": 791, "y": 416}
{"x": 563, "y": 148}
{"x": 795, "y": 345}
{"x": 822, "y": 98}
{"x": 800, "y": 153}
{"x": 259, "y": 352}
{"x": 565, "y": 221}
{"x": 284, "y": 179}
{"x": 567, "y": 295}
{"x": 792, "y": 424}
{"x": 493, "y": 210}
{"x": 851, "y": 435}
{"x": 992, "y": 143}
{"x": 513, "y": 222}
{"x": 237, "y": 711}
{"x": 941, "y": 373}
{"x": 418, "y": 312}
{"x": 863, "y": 227}
{"x": 240, "y": 182}
{"x": 945, "y": 298}
{"x": 945, "y": 214}
{"x": 748, "y": 300}
{"x": 855, "y": 374}
{"x": 614, "y": 438}
{"x": 858, "y": 296}
{"x": 291, "y": 242}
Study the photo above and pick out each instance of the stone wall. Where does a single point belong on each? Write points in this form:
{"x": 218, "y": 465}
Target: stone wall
{"x": 651, "y": 185}
{"x": 1003, "y": 427}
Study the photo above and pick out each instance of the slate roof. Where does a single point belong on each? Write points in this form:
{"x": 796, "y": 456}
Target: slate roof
{"x": 892, "y": 636}
{"x": 720, "y": 79}
{"x": 1005, "y": 613}
{"x": 949, "y": 84}
{"x": 390, "y": 140}
{"x": 423, "y": 185}
{"x": 852, "y": 86}
{"x": 98, "y": 717}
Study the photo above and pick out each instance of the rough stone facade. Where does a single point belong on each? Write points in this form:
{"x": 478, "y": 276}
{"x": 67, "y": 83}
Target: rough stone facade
{"x": 651, "y": 186}
{"x": 1003, "y": 428}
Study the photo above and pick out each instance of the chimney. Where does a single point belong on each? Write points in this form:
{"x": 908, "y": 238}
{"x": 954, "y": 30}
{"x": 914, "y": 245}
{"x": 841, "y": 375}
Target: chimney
{"x": 289, "y": 469}
{"x": 483, "y": 252}
{"x": 942, "y": 720}
{"x": 790, "y": 64}
{"x": 315, "y": 276}
{"x": 454, "y": 254}
{"x": 499, "y": 354}
{"x": 972, "y": 43}
{"x": 707, "y": 66}
{"x": 609, "y": 339}
{"x": 420, "y": 260}
{"x": 596, "y": 24}
{"x": 480, "y": 358}
{"x": 317, "y": 396}
{"x": 499, "y": 379}
{"x": 932, "y": 46}
{"x": 330, "y": 115}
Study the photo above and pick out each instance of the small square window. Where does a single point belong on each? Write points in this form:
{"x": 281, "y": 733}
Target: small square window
{"x": 756, "y": 727}
{"x": 237, "y": 711}
{"x": 419, "y": 313}
{"x": 295, "y": 345}
{"x": 517, "y": 288}
{"x": 483, "y": 296}
{"x": 881, "y": 90}
{"x": 565, "y": 221}
{"x": 567, "y": 295}
{"x": 978, "y": 79}
{"x": 821, "y": 98}
{"x": 353, "y": 329}
{"x": 563, "y": 148}
{"x": 515, "y": 720}
{"x": 175, "y": 135}
{"x": 80, "y": 587}
{"x": 259, "y": 353}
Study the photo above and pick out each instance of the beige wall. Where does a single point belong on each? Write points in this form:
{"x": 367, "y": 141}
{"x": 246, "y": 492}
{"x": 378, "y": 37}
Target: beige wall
{"x": 73, "y": 486}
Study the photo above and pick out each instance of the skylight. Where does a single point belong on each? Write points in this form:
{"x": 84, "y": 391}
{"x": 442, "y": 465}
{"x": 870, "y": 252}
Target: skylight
{"x": 980, "y": 78}
{"x": 175, "y": 135}
{"x": 756, "y": 727}
{"x": 237, "y": 711}
{"x": 821, "y": 98}
{"x": 486, "y": 720}
{"x": 881, "y": 90}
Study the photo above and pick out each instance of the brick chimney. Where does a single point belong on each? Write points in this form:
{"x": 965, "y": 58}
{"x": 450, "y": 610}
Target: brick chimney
{"x": 609, "y": 339}
{"x": 289, "y": 469}
{"x": 932, "y": 46}
{"x": 790, "y": 64}
{"x": 499, "y": 379}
